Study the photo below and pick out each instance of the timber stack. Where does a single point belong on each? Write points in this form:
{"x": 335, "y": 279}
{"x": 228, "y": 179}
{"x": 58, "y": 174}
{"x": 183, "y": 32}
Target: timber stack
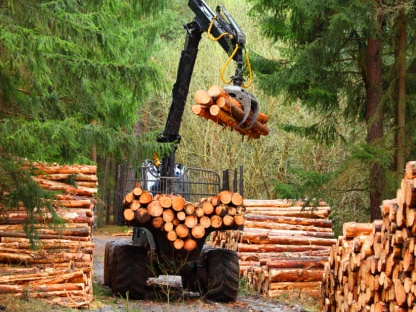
{"x": 218, "y": 106}
{"x": 183, "y": 223}
{"x": 283, "y": 246}
{"x": 60, "y": 269}
{"x": 372, "y": 265}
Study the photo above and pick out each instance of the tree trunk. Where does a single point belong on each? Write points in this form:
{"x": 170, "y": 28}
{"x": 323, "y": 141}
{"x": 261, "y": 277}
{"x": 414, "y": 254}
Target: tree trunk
{"x": 401, "y": 89}
{"x": 374, "y": 119}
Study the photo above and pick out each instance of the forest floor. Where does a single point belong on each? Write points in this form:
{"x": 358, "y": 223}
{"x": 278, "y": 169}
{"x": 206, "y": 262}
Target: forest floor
{"x": 246, "y": 302}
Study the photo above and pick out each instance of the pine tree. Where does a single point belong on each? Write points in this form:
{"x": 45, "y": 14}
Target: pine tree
{"x": 337, "y": 61}
{"x": 73, "y": 75}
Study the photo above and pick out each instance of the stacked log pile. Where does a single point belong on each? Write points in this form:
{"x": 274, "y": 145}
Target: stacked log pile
{"x": 220, "y": 107}
{"x": 184, "y": 223}
{"x": 372, "y": 266}
{"x": 60, "y": 270}
{"x": 283, "y": 247}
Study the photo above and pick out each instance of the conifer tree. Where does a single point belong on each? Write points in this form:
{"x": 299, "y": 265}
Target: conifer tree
{"x": 338, "y": 60}
{"x": 73, "y": 75}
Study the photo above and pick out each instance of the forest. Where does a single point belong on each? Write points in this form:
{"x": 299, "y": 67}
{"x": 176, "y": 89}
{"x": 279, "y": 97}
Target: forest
{"x": 90, "y": 82}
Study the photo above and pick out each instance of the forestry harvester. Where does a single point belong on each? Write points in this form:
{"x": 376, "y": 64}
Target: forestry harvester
{"x": 212, "y": 272}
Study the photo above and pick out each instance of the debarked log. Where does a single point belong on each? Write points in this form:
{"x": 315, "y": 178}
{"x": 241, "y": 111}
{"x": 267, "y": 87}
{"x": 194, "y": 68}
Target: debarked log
{"x": 256, "y": 238}
{"x": 281, "y": 248}
{"x": 295, "y": 275}
{"x": 290, "y": 220}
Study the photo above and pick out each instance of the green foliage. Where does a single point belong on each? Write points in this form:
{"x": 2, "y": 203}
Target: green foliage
{"x": 72, "y": 64}
{"x": 303, "y": 184}
{"x": 73, "y": 76}
{"x": 322, "y": 65}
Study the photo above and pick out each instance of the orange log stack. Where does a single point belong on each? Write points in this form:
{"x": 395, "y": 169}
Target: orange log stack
{"x": 283, "y": 247}
{"x": 184, "y": 223}
{"x": 61, "y": 269}
{"x": 372, "y": 265}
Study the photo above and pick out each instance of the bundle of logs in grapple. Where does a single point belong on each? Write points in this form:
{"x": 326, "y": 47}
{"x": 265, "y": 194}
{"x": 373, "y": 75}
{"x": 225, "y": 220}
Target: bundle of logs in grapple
{"x": 218, "y": 106}
{"x": 184, "y": 222}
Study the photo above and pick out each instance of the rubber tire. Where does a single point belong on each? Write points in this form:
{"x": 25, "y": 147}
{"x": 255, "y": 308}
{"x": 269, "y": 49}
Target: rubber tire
{"x": 223, "y": 271}
{"x": 129, "y": 270}
{"x": 108, "y": 262}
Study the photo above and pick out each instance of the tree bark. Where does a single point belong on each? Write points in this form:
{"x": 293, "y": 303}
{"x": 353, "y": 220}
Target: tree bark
{"x": 401, "y": 88}
{"x": 374, "y": 119}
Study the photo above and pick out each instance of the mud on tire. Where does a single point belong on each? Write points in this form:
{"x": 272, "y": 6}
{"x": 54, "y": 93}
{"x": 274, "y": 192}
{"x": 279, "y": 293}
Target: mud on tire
{"x": 223, "y": 274}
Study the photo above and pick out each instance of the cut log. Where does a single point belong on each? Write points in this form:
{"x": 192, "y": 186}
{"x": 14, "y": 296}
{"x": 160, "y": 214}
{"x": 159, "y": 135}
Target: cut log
{"x": 205, "y": 221}
{"x": 128, "y": 199}
{"x": 145, "y": 198}
{"x": 295, "y": 275}
{"x": 178, "y": 244}
{"x": 250, "y": 232}
{"x": 215, "y": 200}
{"x": 137, "y": 191}
{"x": 68, "y": 188}
{"x": 228, "y": 105}
{"x": 216, "y": 221}
{"x": 191, "y": 221}
{"x": 168, "y": 226}
{"x": 221, "y": 210}
{"x": 217, "y": 92}
{"x": 165, "y": 201}
{"x": 208, "y": 207}
{"x": 181, "y": 215}
{"x": 199, "y": 212}
{"x": 189, "y": 244}
{"x": 182, "y": 231}
{"x": 157, "y": 222}
{"x": 198, "y": 231}
{"x": 225, "y": 196}
{"x": 409, "y": 192}
{"x": 239, "y": 219}
{"x": 203, "y": 98}
{"x": 300, "y": 263}
{"x": 128, "y": 214}
{"x": 135, "y": 205}
{"x": 178, "y": 203}
{"x": 242, "y": 247}
{"x": 237, "y": 199}
{"x": 155, "y": 208}
{"x": 168, "y": 215}
{"x": 141, "y": 215}
{"x": 68, "y": 169}
{"x": 189, "y": 208}
{"x": 203, "y": 111}
{"x": 232, "y": 211}
{"x": 171, "y": 236}
{"x": 228, "y": 220}
{"x": 294, "y": 285}
{"x": 227, "y": 119}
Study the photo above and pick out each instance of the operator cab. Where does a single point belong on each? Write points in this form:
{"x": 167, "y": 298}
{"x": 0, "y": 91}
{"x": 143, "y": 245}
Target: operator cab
{"x": 152, "y": 181}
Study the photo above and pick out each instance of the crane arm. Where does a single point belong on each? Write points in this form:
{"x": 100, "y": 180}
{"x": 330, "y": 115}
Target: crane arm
{"x": 222, "y": 28}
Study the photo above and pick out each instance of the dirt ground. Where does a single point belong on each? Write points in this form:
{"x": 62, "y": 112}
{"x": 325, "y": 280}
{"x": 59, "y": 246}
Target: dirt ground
{"x": 244, "y": 303}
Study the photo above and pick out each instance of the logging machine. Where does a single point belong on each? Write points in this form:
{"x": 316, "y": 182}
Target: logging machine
{"x": 220, "y": 27}
{"x": 213, "y": 272}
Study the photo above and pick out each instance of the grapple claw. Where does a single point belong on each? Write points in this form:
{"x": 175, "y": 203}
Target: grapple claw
{"x": 248, "y": 101}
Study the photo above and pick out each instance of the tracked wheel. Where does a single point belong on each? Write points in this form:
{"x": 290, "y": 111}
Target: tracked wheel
{"x": 128, "y": 269}
{"x": 223, "y": 275}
